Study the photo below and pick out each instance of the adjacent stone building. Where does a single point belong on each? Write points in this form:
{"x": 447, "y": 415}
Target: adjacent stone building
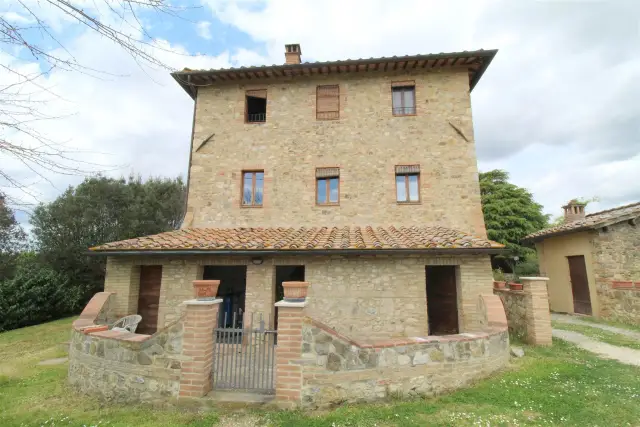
{"x": 593, "y": 262}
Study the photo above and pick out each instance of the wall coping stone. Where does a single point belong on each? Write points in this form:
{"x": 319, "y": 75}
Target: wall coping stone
{"x": 398, "y": 342}
{"x": 284, "y": 303}
{"x": 535, "y": 279}
{"x": 513, "y": 291}
{"x": 202, "y": 302}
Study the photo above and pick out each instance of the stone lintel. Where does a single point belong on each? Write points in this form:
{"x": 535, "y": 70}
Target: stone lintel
{"x": 202, "y": 302}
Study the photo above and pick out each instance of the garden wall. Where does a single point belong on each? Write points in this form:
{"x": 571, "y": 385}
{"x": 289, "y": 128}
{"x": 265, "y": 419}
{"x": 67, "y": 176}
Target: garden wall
{"x": 527, "y": 310}
{"x": 123, "y": 366}
{"x": 336, "y": 369}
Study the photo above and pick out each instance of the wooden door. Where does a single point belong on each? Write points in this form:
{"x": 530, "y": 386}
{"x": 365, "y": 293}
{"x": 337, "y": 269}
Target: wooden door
{"x": 149, "y": 298}
{"x": 442, "y": 300}
{"x": 579, "y": 285}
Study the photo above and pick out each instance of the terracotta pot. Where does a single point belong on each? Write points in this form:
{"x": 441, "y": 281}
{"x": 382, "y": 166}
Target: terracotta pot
{"x": 499, "y": 285}
{"x": 295, "y": 291}
{"x": 515, "y": 286}
{"x": 206, "y": 289}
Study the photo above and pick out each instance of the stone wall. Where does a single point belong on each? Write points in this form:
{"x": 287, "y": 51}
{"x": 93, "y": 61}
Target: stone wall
{"x": 515, "y": 308}
{"x": 366, "y": 143}
{"x": 362, "y": 296}
{"x": 126, "y": 370}
{"x": 616, "y": 255}
{"x": 123, "y": 366}
{"x": 337, "y": 369}
{"x": 527, "y": 310}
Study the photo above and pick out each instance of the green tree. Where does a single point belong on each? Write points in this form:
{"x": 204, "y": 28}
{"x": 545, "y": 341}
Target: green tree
{"x": 97, "y": 211}
{"x": 510, "y": 213}
{"x": 12, "y": 240}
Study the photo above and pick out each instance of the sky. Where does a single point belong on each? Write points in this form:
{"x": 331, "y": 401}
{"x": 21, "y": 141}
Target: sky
{"x": 557, "y": 108}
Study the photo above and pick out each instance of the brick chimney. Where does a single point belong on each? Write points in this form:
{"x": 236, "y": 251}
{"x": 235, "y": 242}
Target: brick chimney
{"x": 573, "y": 211}
{"x": 292, "y": 53}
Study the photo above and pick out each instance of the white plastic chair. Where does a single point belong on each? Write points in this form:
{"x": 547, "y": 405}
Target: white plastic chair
{"x": 127, "y": 323}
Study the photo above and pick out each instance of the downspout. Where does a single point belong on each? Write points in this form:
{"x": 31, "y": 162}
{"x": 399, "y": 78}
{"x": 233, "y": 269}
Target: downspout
{"x": 193, "y": 129}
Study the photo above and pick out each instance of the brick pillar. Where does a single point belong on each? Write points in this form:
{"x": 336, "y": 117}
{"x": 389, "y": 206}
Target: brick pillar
{"x": 289, "y": 353}
{"x": 197, "y": 347}
{"x": 537, "y": 307}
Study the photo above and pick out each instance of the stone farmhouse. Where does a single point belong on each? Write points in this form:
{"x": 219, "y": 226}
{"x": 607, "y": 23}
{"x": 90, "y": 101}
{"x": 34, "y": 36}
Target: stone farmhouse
{"x": 354, "y": 182}
{"x": 593, "y": 262}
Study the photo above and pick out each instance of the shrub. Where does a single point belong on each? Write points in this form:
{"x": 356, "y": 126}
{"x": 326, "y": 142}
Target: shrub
{"x": 35, "y": 294}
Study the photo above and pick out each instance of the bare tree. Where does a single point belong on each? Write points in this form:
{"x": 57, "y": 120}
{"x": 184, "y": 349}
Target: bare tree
{"x": 21, "y": 99}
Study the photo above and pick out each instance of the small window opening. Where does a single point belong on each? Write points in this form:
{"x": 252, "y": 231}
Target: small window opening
{"x": 327, "y": 186}
{"x": 252, "y": 188}
{"x": 256, "y": 106}
{"x": 408, "y": 184}
{"x": 404, "y": 100}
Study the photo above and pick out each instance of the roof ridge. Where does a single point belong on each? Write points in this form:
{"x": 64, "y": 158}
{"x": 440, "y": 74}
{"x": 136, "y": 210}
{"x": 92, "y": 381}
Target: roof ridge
{"x": 630, "y": 205}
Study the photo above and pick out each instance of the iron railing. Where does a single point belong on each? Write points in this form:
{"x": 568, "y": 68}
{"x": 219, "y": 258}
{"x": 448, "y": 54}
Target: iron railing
{"x": 404, "y": 111}
{"x": 244, "y": 354}
{"x": 257, "y": 118}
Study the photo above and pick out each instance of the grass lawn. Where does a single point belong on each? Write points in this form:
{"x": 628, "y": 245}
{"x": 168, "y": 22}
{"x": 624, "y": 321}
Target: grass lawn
{"x": 611, "y": 323}
{"x": 600, "y": 335}
{"x": 561, "y": 385}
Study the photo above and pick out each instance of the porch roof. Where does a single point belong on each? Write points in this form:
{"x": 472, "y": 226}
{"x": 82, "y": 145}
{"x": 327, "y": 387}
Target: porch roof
{"x": 302, "y": 239}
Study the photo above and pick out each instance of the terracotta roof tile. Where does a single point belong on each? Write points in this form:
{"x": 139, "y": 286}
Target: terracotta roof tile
{"x": 303, "y": 238}
{"x": 590, "y": 221}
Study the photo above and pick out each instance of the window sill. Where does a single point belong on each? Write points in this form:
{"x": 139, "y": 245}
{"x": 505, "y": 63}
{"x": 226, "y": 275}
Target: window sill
{"x": 251, "y": 206}
{"x": 255, "y": 123}
{"x": 404, "y": 115}
{"x": 409, "y": 203}
{"x": 324, "y": 205}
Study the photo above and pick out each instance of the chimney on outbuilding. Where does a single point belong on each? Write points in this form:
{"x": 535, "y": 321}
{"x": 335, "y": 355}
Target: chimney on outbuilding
{"x": 292, "y": 53}
{"x": 573, "y": 211}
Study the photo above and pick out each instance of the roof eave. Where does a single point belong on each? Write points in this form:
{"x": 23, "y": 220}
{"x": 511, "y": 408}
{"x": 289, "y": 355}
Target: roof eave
{"x": 263, "y": 252}
{"x": 489, "y": 54}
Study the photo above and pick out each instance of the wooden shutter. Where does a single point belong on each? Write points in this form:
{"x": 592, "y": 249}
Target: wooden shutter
{"x": 407, "y": 169}
{"x": 407, "y": 83}
{"x": 327, "y": 172}
{"x": 328, "y": 102}
{"x": 260, "y": 93}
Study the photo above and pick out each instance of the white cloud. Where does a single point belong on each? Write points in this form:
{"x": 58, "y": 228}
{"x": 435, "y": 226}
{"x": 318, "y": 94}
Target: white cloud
{"x": 204, "y": 29}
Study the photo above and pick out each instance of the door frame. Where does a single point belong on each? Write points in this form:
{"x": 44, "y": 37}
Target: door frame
{"x": 588, "y": 284}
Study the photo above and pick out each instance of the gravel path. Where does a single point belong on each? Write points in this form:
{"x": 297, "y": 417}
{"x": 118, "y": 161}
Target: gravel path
{"x": 606, "y": 351}
{"x": 565, "y": 318}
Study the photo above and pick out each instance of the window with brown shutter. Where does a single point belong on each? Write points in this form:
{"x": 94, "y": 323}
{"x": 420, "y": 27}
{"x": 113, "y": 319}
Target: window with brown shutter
{"x": 328, "y": 102}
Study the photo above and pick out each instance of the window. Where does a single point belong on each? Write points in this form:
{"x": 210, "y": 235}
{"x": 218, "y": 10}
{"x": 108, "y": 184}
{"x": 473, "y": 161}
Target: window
{"x": 252, "y": 188}
{"x": 256, "y": 106}
{"x": 327, "y": 186}
{"x": 403, "y": 96}
{"x": 408, "y": 184}
{"x": 328, "y": 102}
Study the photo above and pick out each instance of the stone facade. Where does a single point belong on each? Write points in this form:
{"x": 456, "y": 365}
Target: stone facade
{"x": 616, "y": 255}
{"x": 366, "y": 143}
{"x": 372, "y": 297}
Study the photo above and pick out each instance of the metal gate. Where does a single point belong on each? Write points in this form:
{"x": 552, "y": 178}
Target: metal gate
{"x": 244, "y": 354}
